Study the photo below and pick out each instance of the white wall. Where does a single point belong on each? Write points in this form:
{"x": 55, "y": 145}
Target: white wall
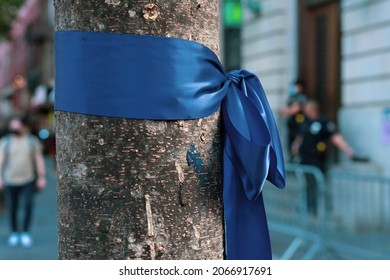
{"x": 366, "y": 77}
{"x": 269, "y": 47}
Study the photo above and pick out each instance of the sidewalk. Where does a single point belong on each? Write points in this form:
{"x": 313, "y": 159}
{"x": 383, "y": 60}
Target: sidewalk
{"x": 43, "y": 228}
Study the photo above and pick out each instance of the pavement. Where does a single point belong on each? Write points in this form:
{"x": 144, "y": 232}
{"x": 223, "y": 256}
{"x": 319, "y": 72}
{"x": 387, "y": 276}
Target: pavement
{"x": 43, "y": 227}
{"x": 334, "y": 246}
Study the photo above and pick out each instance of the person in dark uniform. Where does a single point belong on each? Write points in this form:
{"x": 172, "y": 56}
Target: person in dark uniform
{"x": 311, "y": 144}
{"x": 293, "y": 111}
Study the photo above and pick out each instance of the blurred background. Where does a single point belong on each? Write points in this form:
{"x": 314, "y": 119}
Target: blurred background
{"x": 26, "y": 88}
{"x": 339, "y": 48}
{"x": 341, "y": 51}
{"x": 27, "y": 64}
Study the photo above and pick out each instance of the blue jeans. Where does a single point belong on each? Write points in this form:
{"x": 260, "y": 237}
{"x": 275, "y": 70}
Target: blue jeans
{"x": 15, "y": 194}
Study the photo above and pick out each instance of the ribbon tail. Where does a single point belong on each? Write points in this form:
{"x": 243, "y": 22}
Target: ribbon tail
{"x": 246, "y": 228}
{"x": 252, "y": 154}
{"x": 255, "y": 91}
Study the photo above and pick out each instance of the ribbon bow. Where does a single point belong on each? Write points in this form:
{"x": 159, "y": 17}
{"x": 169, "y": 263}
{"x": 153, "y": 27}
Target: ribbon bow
{"x": 189, "y": 82}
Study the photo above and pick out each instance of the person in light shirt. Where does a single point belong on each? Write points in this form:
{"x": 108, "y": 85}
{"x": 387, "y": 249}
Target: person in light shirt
{"x": 23, "y": 172}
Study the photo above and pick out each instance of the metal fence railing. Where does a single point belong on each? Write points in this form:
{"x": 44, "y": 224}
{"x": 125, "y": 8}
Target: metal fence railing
{"x": 351, "y": 219}
{"x": 359, "y": 214}
{"x": 360, "y": 202}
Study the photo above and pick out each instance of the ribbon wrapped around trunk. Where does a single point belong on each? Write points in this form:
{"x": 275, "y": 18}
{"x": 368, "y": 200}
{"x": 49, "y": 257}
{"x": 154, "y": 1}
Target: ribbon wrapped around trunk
{"x": 159, "y": 78}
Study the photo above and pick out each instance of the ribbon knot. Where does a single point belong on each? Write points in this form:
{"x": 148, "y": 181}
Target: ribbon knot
{"x": 235, "y": 77}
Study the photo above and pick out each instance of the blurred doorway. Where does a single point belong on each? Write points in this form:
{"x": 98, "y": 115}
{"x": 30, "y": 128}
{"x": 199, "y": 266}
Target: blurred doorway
{"x": 319, "y": 52}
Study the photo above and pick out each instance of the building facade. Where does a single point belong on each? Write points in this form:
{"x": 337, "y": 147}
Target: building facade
{"x": 341, "y": 49}
{"x": 26, "y": 54}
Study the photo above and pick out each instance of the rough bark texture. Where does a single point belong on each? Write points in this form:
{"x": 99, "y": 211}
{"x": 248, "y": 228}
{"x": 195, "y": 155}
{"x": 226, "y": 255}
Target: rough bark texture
{"x": 133, "y": 189}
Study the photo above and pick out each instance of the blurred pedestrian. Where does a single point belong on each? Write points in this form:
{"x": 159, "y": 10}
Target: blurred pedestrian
{"x": 23, "y": 172}
{"x": 293, "y": 111}
{"x": 311, "y": 144}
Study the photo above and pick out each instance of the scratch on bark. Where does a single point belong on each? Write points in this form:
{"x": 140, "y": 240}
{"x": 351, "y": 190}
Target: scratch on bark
{"x": 180, "y": 173}
{"x": 149, "y": 216}
{"x": 152, "y": 250}
{"x": 202, "y": 138}
{"x": 181, "y": 177}
{"x": 114, "y": 3}
{"x": 197, "y": 243}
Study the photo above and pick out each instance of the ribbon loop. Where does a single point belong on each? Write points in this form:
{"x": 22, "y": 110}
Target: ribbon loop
{"x": 249, "y": 135}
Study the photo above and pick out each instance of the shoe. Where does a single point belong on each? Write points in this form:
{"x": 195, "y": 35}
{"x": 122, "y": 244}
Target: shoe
{"x": 26, "y": 240}
{"x": 13, "y": 239}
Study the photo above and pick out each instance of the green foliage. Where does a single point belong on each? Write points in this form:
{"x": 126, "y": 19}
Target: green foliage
{"x": 8, "y": 11}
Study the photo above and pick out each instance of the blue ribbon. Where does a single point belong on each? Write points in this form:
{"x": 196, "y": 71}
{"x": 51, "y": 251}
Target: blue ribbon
{"x": 159, "y": 78}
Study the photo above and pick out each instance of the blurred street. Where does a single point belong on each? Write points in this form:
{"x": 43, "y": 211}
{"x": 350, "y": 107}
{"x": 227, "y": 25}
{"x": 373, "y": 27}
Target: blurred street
{"x": 344, "y": 246}
{"x": 351, "y": 221}
{"x": 43, "y": 229}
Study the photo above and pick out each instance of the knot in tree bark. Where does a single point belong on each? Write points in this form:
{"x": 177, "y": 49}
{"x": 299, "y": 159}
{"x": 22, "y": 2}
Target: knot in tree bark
{"x": 151, "y": 12}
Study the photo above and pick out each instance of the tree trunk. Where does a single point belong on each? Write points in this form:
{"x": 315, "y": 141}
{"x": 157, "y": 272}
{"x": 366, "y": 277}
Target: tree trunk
{"x": 127, "y": 189}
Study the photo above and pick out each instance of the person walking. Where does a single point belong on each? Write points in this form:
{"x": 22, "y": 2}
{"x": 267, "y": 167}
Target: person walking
{"x": 22, "y": 173}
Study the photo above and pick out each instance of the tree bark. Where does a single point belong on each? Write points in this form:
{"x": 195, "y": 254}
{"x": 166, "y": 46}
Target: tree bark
{"x": 140, "y": 189}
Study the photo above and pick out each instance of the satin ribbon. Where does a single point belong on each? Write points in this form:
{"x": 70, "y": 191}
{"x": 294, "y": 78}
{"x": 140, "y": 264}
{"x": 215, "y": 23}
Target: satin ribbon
{"x": 159, "y": 78}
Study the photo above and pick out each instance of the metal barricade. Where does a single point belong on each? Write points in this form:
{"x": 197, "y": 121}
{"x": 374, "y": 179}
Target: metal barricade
{"x": 359, "y": 214}
{"x": 288, "y": 213}
{"x": 351, "y": 221}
